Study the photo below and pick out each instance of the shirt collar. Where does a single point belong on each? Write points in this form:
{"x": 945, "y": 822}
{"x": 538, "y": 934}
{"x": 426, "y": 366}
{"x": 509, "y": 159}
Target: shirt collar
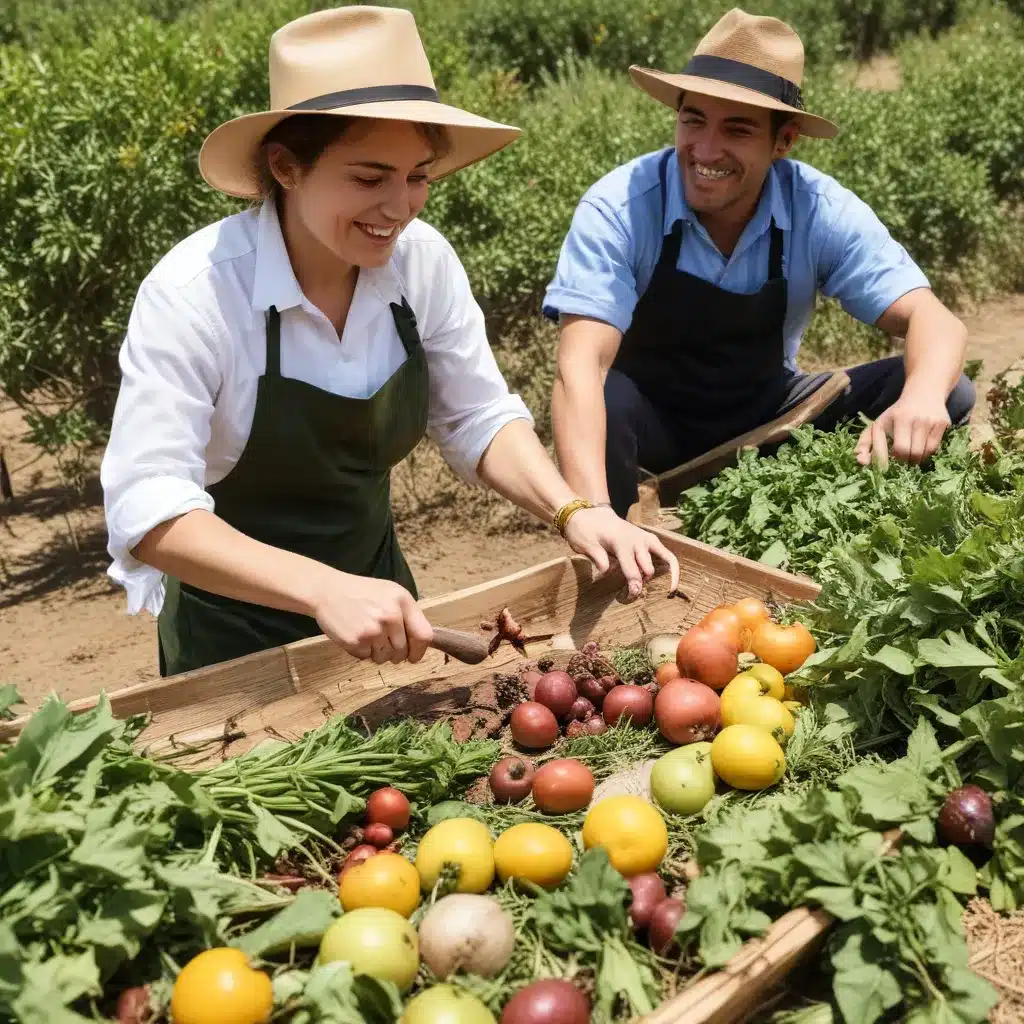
{"x": 275, "y": 283}
{"x": 771, "y": 204}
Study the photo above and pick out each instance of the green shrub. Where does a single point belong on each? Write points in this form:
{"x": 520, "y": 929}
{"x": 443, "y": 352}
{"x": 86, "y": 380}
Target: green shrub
{"x": 538, "y": 36}
{"x": 100, "y": 179}
{"x": 44, "y": 23}
{"x": 975, "y": 74}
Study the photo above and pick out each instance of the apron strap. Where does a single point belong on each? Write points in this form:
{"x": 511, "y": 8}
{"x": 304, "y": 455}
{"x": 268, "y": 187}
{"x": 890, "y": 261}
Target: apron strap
{"x": 671, "y": 243}
{"x": 405, "y": 324}
{"x": 775, "y": 253}
{"x": 273, "y": 343}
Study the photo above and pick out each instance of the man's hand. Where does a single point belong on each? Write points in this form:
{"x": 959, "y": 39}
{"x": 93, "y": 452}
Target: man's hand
{"x": 936, "y": 342}
{"x": 916, "y": 425}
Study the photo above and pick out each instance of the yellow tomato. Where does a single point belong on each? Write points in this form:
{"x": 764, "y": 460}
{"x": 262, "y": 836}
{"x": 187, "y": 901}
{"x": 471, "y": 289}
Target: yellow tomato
{"x": 631, "y": 831}
{"x": 764, "y": 712}
{"x": 746, "y": 757}
{"x": 375, "y": 941}
{"x": 536, "y": 852}
{"x": 793, "y": 706}
{"x": 771, "y": 677}
{"x": 384, "y": 880}
{"x": 219, "y": 987}
{"x": 464, "y": 842}
{"x": 743, "y": 687}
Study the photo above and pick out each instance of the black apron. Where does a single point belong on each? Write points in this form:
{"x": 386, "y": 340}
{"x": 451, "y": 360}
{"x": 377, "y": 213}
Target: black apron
{"x": 314, "y": 478}
{"x": 713, "y": 361}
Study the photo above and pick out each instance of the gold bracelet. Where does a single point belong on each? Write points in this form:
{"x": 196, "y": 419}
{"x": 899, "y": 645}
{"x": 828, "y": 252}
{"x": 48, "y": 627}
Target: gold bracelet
{"x": 567, "y": 511}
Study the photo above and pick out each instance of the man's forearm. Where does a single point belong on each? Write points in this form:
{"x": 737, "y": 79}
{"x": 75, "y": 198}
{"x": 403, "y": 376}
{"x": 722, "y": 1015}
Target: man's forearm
{"x": 579, "y": 424}
{"x": 936, "y": 345}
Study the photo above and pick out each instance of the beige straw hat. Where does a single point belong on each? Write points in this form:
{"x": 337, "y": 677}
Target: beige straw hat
{"x": 353, "y": 61}
{"x": 745, "y": 58}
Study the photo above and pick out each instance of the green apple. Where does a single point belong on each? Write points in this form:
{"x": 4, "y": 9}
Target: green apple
{"x": 684, "y": 780}
{"x": 374, "y": 941}
{"x": 444, "y": 1004}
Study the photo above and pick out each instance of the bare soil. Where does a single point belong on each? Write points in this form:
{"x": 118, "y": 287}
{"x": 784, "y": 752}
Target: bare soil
{"x": 63, "y": 625}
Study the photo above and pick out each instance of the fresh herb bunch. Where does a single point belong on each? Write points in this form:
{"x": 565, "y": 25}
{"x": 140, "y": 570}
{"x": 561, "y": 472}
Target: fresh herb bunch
{"x": 793, "y": 508}
{"x": 103, "y": 870}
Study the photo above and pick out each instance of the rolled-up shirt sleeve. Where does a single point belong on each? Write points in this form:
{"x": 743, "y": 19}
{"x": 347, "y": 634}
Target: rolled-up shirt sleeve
{"x": 154, "y": 466}
{"x": 469, "y": 398}
{"x": 594, "y": 276}
{"x": 862, "y": 265}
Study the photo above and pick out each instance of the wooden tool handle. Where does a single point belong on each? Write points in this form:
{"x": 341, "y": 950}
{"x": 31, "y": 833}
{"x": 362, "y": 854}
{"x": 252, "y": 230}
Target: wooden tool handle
{"x": 465, "y": 647}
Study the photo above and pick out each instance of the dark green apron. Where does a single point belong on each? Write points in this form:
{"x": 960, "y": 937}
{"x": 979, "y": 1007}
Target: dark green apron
{"x": 314, "y": 478}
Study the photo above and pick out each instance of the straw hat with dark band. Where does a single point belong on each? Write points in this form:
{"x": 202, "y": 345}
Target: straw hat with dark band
{"x": 745, "y": 58}
{"x": 354, "y": 62}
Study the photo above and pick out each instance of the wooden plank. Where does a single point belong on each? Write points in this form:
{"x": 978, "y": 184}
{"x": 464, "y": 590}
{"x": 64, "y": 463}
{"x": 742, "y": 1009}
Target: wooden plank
{"x": 731, "y": 993}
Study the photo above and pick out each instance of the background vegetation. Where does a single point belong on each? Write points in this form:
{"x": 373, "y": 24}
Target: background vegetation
{"x": 106, "y": 103}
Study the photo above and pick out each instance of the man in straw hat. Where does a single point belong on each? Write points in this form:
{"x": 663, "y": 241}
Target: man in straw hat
{"x": 280, "y": 362}
{"x": 689, "y": 275}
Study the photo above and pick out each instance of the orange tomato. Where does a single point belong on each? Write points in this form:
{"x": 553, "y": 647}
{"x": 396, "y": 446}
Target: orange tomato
{"x": 218, "y": 986}
{"x": 385, "y": 880}
{"x": 785, "y": 648}
{"x": 666, "y": 672}
{"x": 725, "y": 621}
{"x": 752, "y": 612}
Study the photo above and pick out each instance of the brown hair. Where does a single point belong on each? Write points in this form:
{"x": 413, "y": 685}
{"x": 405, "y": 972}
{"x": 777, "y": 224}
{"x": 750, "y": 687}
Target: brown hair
{"x": 307, "y": 136}
{"x": 779, "y": 118}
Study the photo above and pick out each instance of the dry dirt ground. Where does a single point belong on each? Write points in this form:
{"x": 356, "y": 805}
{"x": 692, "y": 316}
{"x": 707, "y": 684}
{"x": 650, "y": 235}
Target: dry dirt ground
{"x": 63, "y": 625}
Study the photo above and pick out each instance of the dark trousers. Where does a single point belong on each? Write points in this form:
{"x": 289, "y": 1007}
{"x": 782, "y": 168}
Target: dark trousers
{"x": 642, "y": 435}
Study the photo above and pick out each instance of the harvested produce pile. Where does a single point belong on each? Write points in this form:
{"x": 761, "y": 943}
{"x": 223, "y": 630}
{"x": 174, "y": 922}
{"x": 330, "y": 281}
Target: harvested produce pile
{"x": 640, "y": 813}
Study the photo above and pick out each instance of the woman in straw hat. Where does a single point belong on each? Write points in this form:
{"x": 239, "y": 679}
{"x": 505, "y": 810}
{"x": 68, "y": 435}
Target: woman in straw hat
{"x": 280, "y": 362}
{"x": 689, "y": 275}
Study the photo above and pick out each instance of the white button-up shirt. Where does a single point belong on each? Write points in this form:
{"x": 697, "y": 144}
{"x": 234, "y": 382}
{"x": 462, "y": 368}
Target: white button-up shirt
{"x": 196, "y": 346}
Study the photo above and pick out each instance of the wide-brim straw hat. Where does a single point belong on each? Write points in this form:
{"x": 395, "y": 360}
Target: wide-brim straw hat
{"x": 353, "y": 61}
{"x": 745, "y": 58}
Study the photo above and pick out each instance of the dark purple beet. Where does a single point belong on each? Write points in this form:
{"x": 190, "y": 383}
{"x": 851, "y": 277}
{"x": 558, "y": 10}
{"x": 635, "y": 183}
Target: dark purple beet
{"x": 581, "y": 710}
{"x": 591, "y": 689}
{"x": 550, "y": 1001}
{"x": 966, "y": 817}
{"x": 662, "y": 928}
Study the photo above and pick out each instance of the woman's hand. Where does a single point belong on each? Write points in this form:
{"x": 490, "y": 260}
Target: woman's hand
{"x": 603, "y": 537}
{"x": 372, "y": 618}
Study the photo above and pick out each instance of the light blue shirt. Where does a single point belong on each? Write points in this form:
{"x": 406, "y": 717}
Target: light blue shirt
{"x": 833, "y": 243}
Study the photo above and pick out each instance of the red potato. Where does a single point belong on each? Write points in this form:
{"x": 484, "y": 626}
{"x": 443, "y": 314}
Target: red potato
{"x": 534, "y": 726}
{"x": 511, "y": 780}
{"x": 563, "y": 786}
{"x": 662, "y": 929}
{"x": 648, "y": 891}
{"x": 633, "y": 702}
{"x": 378, "y": 834}
{"x": 557, "y": 692}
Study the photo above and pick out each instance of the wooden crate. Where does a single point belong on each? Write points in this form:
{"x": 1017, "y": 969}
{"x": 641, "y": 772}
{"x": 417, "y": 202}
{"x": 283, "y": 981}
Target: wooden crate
{"x": 284, "y": 692}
